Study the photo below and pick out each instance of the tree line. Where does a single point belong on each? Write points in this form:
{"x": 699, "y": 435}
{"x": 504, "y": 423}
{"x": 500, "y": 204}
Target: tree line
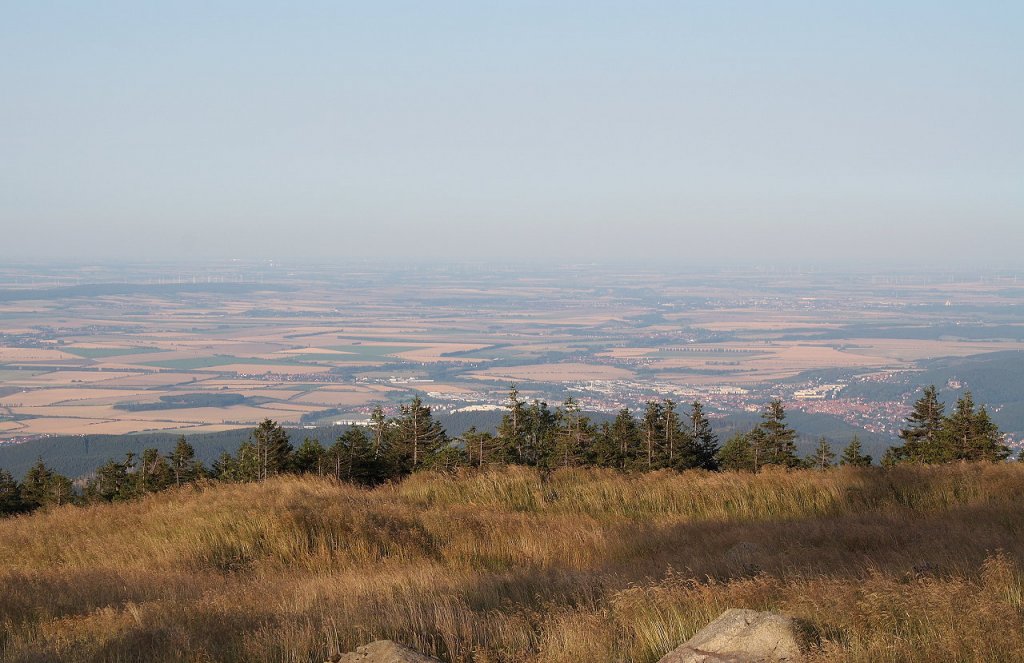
{"x": 531, "y": 433}
{"x": 931, "y": 436}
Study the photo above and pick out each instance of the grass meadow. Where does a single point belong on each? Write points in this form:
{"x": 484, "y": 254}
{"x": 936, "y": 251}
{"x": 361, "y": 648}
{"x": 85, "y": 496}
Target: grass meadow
{"x": 907, "y": 564}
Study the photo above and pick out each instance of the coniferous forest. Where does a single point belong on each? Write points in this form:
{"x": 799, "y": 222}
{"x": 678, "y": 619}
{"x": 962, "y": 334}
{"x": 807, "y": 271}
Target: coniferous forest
{"x": 532, "y": 434}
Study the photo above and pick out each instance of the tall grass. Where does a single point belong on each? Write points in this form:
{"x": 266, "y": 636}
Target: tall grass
{"x": 509, "y": 565}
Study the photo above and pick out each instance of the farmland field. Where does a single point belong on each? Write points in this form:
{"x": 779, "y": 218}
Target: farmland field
{"x": 72, "y": 360}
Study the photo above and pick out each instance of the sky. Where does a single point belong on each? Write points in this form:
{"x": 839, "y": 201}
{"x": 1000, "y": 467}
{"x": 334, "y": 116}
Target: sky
{"x": 683, "y": 133}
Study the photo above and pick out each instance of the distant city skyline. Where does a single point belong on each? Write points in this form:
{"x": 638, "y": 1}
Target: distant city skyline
{"x": 650, "y": 132}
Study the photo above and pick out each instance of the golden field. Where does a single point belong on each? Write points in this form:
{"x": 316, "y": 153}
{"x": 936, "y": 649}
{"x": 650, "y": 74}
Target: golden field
{"x": 909, "y": 564}
{"x": 331, "y": 348}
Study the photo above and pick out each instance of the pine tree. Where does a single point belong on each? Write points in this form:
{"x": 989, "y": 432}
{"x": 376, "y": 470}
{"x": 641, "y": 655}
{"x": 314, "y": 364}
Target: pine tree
{"x": 512, "y": 430}
{"x": 183, "y": 464}
{"x": 309, "y": 457}
{"x": 651, "y": 431}
{"x": 112, "y": 482}
{"x": 704, "y": 439}
{"x": 380, "y": 428}
{"x": 539, "y": 432}
{"x": 449, "y": 458}
{"x": 737, "y": 454}
{"x": 60, "y": 490}
{"x": 758, "y": 443}
{"x": 153, "y": 473}
{"x": 779, "y": 439}
{"x": 44, "y": 487}
{"x": 351, "y": 458}
{"x": 823, "y": 455}
{"x": 603, "y": 450}
{"x": 249, "y": 463}
{"x": 625, "y": 433}
{"x": 678, "y": 448}
{"x": 852, "y": 454}
{"x": 922, "y": 438}
{"x": 987, "y": 443}
{"x": 573, "y": 435}
{"x": 417, "y": 436}
{"x": 482, "y": 448}
{"x": 34, "y": 487}
{"x": 273, "y": 450}
{"x": 616, "y": 444}
{"x": 971, "y": 435}
{"x": 224, "y": 468}
{"x": 957, "y": 433}
{"x": 10, "y": 494}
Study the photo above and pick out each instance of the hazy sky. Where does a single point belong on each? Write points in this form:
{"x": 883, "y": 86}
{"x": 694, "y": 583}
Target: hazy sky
{"x": 695, "y": 132}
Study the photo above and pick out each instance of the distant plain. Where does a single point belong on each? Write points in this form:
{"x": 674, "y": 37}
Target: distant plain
{"x": 310, "y": 346}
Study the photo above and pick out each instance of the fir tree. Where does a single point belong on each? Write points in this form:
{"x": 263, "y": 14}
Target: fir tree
{"x": 448, "y": 458}
{"x": 539, "y": 431}
{"x": 779, "y": 441}
{"x": 956, "y": 438}
{"x": 35, "y": 485}
{"x": 823, "y": 455}
{"x": 352, "y": 458}
{"x": 678, "y": 449}
{"x": 512, "y": 430}
{"x": 971, "y": 435}
{"x": 112, "y": 482}
{"x": 572, "y": 435}
{"x": 44, "y": 487}
{"x": 852, "y": 454}
{"x": 249, "y": 464}
{"x": 704, "y": 439}
{"x": 922, "y": 438}
{"x": 183, "y": 464}
{"x": 625, "y": 437}
{"x": 737, "y": 454}
{"x": 417, "y": 436}
{"x": 379, "y": 428}
{"x": 273, "y": 450}
{"x": 10, "y": 494}
{"x": 153, "y": 473}
{"x": 224, "y": 468}
{"x": 481, "y": 447}
{"x": 309, "y": 457}
{"x": 651, "y": 431}
{"x": 987, "y": 443}
{"x": 616, "y": 443}
{"x": 758, "y": 442}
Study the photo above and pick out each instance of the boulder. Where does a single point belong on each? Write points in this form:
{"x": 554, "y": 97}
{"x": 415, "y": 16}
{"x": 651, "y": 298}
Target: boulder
{"x": 382, "y": 651}
{"x": 743, "y": 636}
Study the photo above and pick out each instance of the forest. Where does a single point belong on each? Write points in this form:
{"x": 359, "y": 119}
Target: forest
{"x": 531, "y": 434}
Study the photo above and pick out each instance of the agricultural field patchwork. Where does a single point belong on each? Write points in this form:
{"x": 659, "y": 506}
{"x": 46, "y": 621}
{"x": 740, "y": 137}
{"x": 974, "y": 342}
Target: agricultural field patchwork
{"x": 279, "y": 340}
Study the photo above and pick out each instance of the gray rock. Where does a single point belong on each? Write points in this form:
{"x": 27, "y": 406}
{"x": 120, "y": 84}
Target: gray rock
{"x": 743, "y": 636}
{"x": 383, "y": 651}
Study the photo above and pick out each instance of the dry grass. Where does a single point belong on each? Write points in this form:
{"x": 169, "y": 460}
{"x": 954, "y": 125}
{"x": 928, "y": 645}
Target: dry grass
{"x": 911, "y": 564}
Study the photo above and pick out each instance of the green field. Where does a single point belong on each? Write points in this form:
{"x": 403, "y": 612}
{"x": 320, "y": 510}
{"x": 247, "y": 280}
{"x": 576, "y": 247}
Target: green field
{"x": 368, "y": 352}
{"x": 192, "y": 363}
{"x": 16, "y": 374}
{"x": 103, "y": 353}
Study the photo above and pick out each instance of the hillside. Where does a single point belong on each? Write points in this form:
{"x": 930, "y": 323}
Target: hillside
{"x": 908, "y": 564}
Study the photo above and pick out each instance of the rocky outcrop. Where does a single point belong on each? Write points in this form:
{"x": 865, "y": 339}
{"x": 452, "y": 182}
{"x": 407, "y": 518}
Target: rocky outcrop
{"x": 743, "y": 636}
{"x": 382, "y": 651}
